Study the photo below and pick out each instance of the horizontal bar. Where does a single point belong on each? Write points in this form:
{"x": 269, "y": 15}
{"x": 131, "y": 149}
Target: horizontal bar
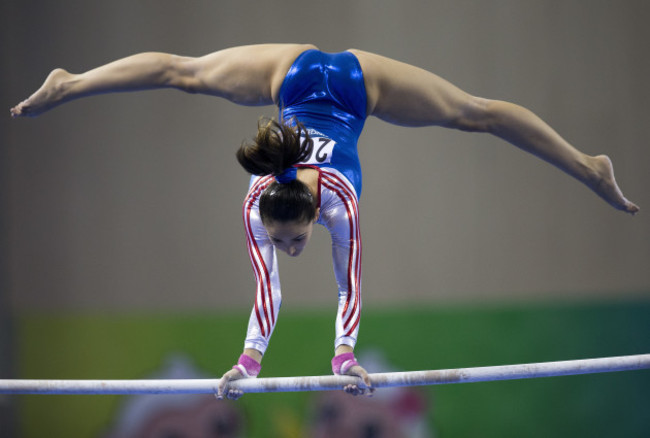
{"x": 326, "y": 383}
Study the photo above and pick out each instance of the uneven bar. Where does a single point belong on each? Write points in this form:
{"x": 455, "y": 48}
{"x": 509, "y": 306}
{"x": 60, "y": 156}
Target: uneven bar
{"x": 326, "y": 383}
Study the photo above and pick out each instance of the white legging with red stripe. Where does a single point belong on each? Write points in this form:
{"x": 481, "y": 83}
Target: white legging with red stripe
{"x": 340, "y": 215}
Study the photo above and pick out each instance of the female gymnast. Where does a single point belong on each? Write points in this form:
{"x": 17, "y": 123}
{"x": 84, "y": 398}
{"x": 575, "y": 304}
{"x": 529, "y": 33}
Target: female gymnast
{"x": 305, "y": 166}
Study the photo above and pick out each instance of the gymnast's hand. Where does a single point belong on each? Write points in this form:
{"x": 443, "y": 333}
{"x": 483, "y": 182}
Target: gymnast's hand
{"x": 229, "y": 393}
{"x": 248, "y": 365}
{"x": 354, "y": 389}
{"x": 345, "y": 364}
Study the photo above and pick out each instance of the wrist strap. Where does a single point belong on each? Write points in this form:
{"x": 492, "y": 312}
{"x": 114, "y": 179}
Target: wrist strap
{"x": 248, "y": 366}
{"x": 342, "y": 363}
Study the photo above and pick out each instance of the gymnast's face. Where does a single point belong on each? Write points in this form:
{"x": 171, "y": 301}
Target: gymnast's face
{"x": 290, "y": 237}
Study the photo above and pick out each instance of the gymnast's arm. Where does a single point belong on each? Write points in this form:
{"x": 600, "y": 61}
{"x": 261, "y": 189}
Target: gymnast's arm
{"x": 346, "y": 251}
{"x": 246, "y": 75}
{"x": 268, "y": 296}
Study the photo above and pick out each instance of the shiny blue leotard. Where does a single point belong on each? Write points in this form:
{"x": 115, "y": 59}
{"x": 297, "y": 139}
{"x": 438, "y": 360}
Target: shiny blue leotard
{"x": 326, "y": 93}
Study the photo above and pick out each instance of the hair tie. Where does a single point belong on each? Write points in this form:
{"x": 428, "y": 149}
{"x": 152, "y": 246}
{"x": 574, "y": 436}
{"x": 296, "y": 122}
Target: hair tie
{"x": 287, "y": 175}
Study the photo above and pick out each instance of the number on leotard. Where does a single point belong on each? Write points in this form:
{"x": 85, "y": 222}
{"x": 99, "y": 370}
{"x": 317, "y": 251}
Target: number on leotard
{"x": 319, "y": 150}
{"x": 321, "y": 155}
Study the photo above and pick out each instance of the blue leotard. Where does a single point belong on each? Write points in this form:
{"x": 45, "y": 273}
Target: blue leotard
{"x": 326, "y": 93}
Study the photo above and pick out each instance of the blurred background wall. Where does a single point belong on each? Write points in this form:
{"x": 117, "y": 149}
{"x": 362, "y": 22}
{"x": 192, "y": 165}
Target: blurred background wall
{"x": 131, "y": 203}
{"x": 127, "y": 201}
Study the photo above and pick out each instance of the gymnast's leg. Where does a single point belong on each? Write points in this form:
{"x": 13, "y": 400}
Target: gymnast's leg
{"x": 247, "y": 75}
{"x": 406, "y": 95}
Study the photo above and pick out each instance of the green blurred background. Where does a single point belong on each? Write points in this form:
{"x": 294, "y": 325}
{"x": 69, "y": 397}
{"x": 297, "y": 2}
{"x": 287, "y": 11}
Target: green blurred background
{"x": 133, "y": 347}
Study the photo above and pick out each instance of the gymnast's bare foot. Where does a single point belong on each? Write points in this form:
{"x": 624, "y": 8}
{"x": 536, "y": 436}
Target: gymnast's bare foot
{"x": 48, "y": 96}
{"x": 604, "y": 184}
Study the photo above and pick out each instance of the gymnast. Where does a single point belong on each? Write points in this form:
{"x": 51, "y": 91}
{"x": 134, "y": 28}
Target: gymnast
{"x": 305, "y": 167}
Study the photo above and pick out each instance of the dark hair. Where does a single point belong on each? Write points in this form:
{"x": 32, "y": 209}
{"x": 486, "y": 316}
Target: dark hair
{"x": 276, "y": 147}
